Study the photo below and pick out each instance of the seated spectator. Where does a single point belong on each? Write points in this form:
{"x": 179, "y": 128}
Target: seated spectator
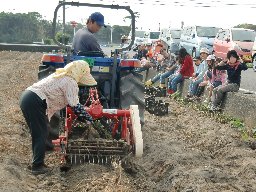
{"x": 150, "y": 51}
{"x": 234, "y": 65}
{"x": 195, "y": 81}
{"x": 210, "y": 60}
{"x": 142, "y": 52}
{"x": 124, "y": 41}
{"x": 198, "y": 69}
{"x": 218, "y": 78}
{"x": 186, "y": 70}
{"x": 169, "y": 67}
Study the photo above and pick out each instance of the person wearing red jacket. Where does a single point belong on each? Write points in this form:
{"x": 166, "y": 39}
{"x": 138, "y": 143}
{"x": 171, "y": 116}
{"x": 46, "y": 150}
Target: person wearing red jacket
{"x": 186, "y": 71}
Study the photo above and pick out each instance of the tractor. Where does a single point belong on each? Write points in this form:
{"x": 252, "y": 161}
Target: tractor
{"x": 116, "y": 104}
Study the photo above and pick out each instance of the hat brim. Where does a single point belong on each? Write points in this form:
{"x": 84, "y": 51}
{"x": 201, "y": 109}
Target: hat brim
{"x": 101, "y": 24}
{"x": 87, "y": 80}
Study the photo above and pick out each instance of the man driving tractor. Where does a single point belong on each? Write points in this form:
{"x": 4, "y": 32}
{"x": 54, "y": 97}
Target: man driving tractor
{"x": 84, "y": 39}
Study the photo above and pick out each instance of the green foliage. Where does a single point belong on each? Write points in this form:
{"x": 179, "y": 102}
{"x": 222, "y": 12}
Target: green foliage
{"x": 246, "y": 26}
{"x": 249, "y": 65}
{"x": 218, "y": 116}
{"x": 59, "y": 37}
{"x": 136, "y": 14}
{"x": 237, "y": 123}
{"x": 48, "y": 41}
{"x": 31, "y": 27}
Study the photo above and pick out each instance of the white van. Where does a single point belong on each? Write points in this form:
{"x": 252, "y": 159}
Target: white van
{"x": 193, "y": 38}
{"x": 140, "y": 38}
{"x": 152, "y": 36}
{"x": 171, "y": 39}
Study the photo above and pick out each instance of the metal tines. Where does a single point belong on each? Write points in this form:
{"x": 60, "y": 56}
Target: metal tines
{"x": 96, "y": 151}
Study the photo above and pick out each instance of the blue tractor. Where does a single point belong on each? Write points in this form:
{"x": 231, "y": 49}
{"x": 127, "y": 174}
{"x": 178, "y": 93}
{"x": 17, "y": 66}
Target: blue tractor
{"x": 120, "y": 90}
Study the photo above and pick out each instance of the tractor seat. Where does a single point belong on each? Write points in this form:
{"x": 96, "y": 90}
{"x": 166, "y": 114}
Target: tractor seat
{"x": 91, "y": 54}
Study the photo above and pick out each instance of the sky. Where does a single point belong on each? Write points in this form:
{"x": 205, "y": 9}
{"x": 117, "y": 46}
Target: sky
{"x": 218, "y": 13}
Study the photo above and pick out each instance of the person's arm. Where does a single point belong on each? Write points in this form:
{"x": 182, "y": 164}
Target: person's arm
{"x": 243, "y": 66}
{"x": 71, "y": 95}
{"x": 172, "y": 67}
{"x": 221, "y": 66}
{"x": 202, "y": 72}
{"x": 82, "y": 115}
{"x": 71, "y": 92}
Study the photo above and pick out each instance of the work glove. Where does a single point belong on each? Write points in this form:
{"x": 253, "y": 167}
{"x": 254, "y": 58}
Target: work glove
{"x": 82, "y": 115}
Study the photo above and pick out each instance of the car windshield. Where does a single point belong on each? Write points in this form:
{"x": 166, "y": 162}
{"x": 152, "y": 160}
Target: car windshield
{"x": 139, "y": 40}
{"x": 154, "y": 35}
{"x": 140, "y": 34}
{"x": 175, "y": 34}
{"x": 243, "y": 35}
{"x": 207, "y": 31}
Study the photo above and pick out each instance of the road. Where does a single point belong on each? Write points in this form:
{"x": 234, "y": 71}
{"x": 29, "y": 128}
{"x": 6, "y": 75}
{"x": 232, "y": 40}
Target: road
{"x": 248, "y": 81}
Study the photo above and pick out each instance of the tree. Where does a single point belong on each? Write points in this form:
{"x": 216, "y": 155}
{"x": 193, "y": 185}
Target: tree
{"x": 246, "y": 26}
{"x": 136, "y": 14}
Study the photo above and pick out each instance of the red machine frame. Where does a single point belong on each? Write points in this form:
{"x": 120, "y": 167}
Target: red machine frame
{"x": 96, "y": 111}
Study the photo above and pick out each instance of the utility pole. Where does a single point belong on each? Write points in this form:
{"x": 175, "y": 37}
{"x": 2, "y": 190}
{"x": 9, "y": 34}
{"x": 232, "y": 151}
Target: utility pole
{"x": 63, "y": 32}
{"x": 111, "y": 34}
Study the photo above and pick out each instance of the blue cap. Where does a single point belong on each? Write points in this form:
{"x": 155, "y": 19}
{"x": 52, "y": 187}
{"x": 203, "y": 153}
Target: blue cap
{"x": 98, "y": 18}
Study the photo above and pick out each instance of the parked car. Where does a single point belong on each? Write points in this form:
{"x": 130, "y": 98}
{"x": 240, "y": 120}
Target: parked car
{"x": 239, "y": 39}
{"x": 152, "y": 36}
{"x": 171, "y": 39}
{"x": 138, "y": 41}
{"x": 193, "y": 38}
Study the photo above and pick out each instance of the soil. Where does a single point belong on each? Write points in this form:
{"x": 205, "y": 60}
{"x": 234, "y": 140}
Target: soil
{"x": 183, "y": 151}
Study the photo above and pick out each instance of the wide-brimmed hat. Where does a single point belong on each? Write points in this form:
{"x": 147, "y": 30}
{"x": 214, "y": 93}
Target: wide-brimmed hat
{"x": 78, "y": 70}
{"x": 210, "y": 57}
{"x": 204, "y": 50}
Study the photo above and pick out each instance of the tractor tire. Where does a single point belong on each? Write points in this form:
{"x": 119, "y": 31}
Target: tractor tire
{"x": 132, "y": 92}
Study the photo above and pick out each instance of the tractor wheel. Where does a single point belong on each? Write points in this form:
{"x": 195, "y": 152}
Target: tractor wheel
{"x": 132, "y": 93}
{"x": 137, "y": 139}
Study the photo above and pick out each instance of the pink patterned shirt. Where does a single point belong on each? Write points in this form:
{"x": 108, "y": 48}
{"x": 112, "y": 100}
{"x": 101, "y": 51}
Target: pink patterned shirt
{"x": 58, "y": 92}
{"x": 220, "y": 76}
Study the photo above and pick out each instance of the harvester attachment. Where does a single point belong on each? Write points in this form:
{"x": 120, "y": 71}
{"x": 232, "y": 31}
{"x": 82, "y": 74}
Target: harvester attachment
{"x": 121, "y": 128}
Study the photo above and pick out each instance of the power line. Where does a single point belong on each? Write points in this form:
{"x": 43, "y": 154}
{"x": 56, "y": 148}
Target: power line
{"x": 184, "y": 3}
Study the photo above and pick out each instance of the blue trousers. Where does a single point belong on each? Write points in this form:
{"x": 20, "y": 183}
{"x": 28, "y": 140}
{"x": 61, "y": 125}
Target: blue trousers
{"x": 193, "y": 86}
{"x": 173, "y": 82}
{"x": 162, "y": 77}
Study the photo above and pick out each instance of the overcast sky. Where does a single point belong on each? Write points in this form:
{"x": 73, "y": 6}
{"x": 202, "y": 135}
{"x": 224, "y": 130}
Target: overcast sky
{"x": 220, "y": 13}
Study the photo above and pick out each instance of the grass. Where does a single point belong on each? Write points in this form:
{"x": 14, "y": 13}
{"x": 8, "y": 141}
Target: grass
{"x": 218, "y": 116}
{"x": 249, "y": 65}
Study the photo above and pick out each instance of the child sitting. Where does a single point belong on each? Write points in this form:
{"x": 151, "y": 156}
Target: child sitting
{"x": 234, "y": 66}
